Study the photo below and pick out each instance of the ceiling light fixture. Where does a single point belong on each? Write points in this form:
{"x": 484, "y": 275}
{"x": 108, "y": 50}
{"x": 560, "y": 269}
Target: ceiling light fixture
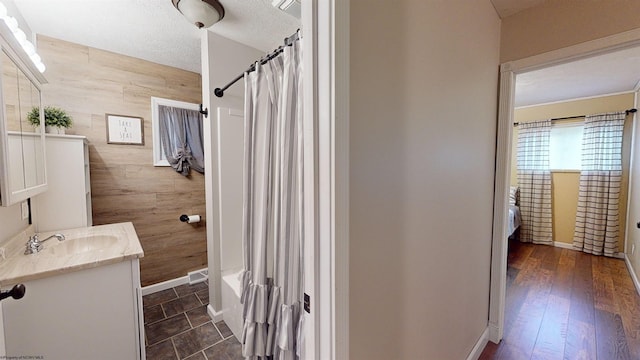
{"x": 201, "y": 13}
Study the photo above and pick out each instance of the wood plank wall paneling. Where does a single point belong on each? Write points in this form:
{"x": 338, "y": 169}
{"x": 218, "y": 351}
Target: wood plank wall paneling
{"x": 125, "y": 185}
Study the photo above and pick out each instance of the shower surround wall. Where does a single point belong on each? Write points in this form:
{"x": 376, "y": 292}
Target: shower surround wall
{"x": 222, "y": 60}
{"x": 125, "y": 185}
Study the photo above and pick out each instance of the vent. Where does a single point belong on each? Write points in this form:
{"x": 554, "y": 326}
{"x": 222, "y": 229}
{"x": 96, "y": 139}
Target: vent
{"x": 198, "y": 276}
{"x": 291, "y": 7}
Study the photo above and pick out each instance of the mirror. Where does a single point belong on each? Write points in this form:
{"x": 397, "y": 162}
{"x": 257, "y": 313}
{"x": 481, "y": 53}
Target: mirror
{"x": 22, "y": 162}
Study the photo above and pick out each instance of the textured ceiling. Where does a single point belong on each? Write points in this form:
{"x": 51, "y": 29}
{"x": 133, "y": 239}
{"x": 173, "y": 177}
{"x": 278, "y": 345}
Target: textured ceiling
{"x": 599, "y": 75}
{"x": 153, "y": 29}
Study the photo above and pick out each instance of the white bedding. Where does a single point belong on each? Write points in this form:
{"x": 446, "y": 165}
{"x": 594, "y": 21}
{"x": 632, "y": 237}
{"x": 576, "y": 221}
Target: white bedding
{"x": 514, "y": 219}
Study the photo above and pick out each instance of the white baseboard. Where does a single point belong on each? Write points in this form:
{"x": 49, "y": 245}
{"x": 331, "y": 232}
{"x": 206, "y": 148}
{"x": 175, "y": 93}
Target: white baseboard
{"x": 198, "y": 276}
{"x": 479, "y": 347}
{"x": 192, "y": 277}
{"x": 564, "y": 245}
{"x": 164, "y": 285}
{"x": 213, "y": 314}
{"x": 632, "y": 273}
{"x": 494, "y": 333}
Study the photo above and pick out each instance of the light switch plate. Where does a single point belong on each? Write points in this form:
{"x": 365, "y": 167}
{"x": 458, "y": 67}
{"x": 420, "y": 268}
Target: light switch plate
{"x": 25, "y": 210}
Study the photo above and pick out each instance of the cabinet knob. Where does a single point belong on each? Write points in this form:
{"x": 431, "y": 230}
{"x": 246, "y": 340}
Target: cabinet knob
{"x": 16, "y": 292}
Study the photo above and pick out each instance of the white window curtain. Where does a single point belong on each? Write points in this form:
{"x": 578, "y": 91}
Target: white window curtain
{"x": 182, "y": 138}
{"x": 272, "y": 281}
{"x": 534, "y": 180}
{"x": 597, "y": 220}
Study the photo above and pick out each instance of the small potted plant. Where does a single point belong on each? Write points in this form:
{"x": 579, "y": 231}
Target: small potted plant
{"x": 56, "y": 120}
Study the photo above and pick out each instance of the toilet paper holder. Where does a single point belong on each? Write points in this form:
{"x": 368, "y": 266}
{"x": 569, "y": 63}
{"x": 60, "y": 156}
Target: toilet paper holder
{"x": 190, "y": 219}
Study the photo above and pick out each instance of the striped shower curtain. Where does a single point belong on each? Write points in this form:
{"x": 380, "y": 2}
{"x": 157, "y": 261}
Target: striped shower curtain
{"x": 597, "y": 220}
{"x": 272, "y": 234}
{"x": 534, "y": 180}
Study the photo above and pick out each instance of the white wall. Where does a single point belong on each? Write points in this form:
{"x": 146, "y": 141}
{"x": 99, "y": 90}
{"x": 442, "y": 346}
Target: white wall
{"x": 424, "y": 79}
{"x": 11, "y": 222}
{"x": 222, "y": 60}
{"x": 231, "y": 161}
{"x": 633, "y": 233}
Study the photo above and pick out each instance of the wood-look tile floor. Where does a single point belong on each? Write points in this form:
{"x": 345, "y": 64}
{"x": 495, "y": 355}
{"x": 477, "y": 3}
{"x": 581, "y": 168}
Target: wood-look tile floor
{"x": 177, "y": 326}
{"x": 565, "y": 304}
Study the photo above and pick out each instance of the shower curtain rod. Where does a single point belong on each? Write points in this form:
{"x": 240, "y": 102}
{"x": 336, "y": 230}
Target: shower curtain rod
{"x": 630, "y": 111}
{"x": 288, "y": 41}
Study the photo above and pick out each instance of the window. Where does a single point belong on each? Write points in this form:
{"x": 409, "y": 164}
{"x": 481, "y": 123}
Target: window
{"x": 159, "y": 158}
{"x": 565, "y": 146}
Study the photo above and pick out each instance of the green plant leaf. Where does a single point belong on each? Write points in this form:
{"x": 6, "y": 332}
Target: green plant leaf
{"x": 53, "y": 116}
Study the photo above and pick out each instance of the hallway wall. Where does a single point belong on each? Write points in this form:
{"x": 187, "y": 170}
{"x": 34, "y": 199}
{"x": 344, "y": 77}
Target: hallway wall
{"x": 556, "y": 24}
{"x": 422, "y": 162}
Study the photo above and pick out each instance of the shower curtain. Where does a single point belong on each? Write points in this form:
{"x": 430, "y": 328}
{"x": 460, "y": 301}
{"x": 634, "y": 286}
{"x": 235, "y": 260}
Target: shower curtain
{"x": 272, "y": 281}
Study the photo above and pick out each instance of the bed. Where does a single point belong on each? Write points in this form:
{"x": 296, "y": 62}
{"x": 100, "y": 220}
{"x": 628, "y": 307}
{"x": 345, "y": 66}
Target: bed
{"x": 514, "y": 219}
{"x": 514, "y": 211}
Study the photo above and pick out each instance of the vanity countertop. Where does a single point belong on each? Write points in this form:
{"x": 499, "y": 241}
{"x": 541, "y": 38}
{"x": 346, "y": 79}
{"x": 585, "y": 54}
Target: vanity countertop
{"x": 121, "y": 241}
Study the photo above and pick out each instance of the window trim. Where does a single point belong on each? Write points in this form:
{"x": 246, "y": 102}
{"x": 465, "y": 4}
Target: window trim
{"x": 159, "y": 158}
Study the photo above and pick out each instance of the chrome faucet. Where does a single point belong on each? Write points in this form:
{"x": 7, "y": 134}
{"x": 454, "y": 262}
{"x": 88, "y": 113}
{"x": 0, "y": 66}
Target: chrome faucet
{"x": 34, "y": 245}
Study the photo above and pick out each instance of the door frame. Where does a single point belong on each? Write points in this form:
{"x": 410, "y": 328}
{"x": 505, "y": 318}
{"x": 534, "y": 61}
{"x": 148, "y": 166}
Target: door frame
{"x": 632, "y": 180}
{"x": 508, "y": 73}
{"x": 326, "y": 136}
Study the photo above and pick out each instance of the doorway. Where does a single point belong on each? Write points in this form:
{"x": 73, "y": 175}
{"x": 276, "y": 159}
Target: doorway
{"x": 509, "y": 73}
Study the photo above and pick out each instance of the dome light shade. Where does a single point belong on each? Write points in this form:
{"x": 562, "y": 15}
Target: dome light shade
{"x": 201, "y": 13}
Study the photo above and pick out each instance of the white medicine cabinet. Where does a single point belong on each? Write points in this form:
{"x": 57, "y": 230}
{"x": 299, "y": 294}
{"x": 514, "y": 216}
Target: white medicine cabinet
{"x": 22, "y": 146}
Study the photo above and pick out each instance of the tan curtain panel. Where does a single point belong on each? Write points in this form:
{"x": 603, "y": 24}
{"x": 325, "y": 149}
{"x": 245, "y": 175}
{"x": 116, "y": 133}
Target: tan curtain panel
{"x": 597, "y": 220}
{"x": 534, "y": 180}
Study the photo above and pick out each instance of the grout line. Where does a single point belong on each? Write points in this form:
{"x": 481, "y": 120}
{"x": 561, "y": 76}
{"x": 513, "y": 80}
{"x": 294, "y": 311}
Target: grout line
{"x": 180, "y": 333}
{"x": 184, "y": 313}
{"x": 219, "y": 332}
{"x": 188, "y": 320}
{"x": 175, "y": 349}
{"x": 212, "y": 345}
{"x": 171, "y": 337}
{"x": 164, "y": 313}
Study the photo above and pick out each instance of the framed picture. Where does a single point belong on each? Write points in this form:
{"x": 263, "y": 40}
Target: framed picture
{"x": 127, "y": 130}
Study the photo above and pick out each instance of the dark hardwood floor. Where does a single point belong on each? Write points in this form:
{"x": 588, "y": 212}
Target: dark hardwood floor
{"x": 565, "y": 304}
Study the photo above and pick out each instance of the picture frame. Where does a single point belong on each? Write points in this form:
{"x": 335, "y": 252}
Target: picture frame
{"x": 124, "y": 129}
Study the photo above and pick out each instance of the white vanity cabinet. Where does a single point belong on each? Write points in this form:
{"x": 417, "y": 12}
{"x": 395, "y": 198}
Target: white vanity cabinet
{"x": 94, "y": 313}
{"x": 69, "y": 184}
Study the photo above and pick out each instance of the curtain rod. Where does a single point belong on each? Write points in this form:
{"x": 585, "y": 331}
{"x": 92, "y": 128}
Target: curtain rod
{"x": 630, "y": 111}
{"x": 288, "y": 41}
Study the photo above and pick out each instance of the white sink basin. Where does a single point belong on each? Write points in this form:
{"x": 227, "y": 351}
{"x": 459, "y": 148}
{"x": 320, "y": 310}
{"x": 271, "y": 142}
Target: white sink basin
{"x": 92, "y": 243}
{"x": 83, "y": 248}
